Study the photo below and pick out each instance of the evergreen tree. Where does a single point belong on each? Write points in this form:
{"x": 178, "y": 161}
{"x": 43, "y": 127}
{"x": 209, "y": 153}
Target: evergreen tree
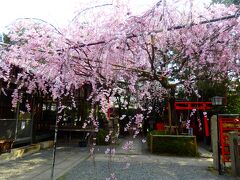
{"x": 227, "y": 2}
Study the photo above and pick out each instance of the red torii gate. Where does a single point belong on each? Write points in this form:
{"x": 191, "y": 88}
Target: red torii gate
{"x": 185, "y": 105}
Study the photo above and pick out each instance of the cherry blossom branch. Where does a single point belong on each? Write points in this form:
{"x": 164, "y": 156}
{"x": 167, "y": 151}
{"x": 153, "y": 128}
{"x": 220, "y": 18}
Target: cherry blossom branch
{"x": 38, "y": 19}
{"x": 93, "y": 7}
{"x": 170, "y": 29}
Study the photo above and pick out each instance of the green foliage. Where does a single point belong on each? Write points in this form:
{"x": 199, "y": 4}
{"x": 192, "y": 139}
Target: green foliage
{"x": 49, "y": 115}
{"x": 173, "y": 144}
{"x": 208, "y": 89}
{"x": 86, "y": 110}
{"x": 227, "y": 2}
{"x": 233, "y": 98}
{"x": 24, "y": 116}
{"x": 154, "y": 132}
{"x": 233, "y": 105}
{"x": 101, "y": 135}
{"x": 100, "y": 138}
{"x": 131, "y": 112}
{"x": 6, "y": 39}
{"x": 102, "y": 118}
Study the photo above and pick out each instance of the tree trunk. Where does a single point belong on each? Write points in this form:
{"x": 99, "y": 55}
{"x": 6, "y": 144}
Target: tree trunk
{"x": 54, "y": 144}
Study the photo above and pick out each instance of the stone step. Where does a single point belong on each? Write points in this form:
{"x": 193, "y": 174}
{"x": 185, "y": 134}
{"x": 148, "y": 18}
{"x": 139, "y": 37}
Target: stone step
{"x": 25, "y": 150}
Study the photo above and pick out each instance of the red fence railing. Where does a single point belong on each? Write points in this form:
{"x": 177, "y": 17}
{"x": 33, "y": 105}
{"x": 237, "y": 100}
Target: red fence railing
{"x": 226, "y": 125}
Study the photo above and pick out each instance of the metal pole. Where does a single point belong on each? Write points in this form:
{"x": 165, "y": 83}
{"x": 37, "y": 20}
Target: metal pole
{"x": 54, "y": 145}
{"x": 17, "y": 117}
{"x": 219, "y": 149}
{"x": 32, "y": 116}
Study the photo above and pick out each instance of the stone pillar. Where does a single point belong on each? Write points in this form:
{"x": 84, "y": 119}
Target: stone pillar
{"x": 214, "y": 137}
{"x": 235, "y": 153}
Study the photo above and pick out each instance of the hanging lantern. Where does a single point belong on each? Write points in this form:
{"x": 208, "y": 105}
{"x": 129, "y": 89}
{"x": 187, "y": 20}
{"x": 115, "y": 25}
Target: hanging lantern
{"x": 217, "y": 101}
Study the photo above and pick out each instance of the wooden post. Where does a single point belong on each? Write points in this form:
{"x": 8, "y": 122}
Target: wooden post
{"x": 169, "y": 114}
{"x": 214, "y": 137}
{"x": 195, "y": 142}
{"x": 151, "y": 142}
{"x": 234, "y": 153}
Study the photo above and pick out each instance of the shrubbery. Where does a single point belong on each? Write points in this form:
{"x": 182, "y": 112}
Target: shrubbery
{"x": 100, "y": 138}
{"x": 172, "y": 144}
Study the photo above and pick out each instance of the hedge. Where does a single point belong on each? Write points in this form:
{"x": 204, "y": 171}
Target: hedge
{"x": 173, "y": 144}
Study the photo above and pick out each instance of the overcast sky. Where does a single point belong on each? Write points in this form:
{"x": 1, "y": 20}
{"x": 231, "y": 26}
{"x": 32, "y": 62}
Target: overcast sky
{"x": 57, "y": 12}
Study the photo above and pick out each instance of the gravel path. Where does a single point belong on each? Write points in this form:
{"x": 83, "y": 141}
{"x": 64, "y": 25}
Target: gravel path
{"x": 135, "y": 164}
{"x": 149, "y": 167}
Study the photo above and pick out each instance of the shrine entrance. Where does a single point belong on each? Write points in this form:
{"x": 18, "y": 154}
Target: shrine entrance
{"x": 193, "y": 118}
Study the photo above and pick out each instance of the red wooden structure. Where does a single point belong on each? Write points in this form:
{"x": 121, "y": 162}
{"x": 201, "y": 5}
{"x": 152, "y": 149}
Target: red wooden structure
{"x": 160, "y": 126}
{"x": 193, "y": 105}
{"x": 198, "y": 106}
{"x": 227, "y": 124}
{"x": 205, "y": 121}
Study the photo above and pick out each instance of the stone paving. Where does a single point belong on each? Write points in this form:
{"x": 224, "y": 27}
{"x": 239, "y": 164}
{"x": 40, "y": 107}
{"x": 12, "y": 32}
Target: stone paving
{"x": 38, "y": 165}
